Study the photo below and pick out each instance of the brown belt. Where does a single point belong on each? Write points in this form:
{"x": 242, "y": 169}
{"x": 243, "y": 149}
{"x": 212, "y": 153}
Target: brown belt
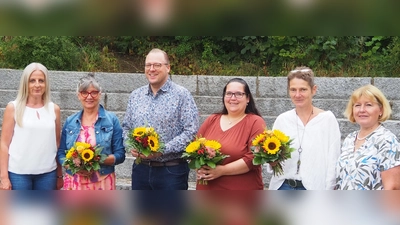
{"x": 173, "y": 162}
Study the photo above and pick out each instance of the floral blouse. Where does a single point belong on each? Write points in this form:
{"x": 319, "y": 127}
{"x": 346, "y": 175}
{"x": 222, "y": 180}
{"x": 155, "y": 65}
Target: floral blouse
{"x": 360, "y": 169}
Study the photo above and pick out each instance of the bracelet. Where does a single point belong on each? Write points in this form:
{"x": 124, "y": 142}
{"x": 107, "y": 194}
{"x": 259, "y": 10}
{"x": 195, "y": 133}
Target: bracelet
{"x": 59, "y": 176}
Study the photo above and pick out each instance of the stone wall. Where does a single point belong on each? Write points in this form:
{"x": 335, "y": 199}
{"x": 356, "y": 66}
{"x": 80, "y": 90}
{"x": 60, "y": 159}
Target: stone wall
{"x": 270, "y": 95}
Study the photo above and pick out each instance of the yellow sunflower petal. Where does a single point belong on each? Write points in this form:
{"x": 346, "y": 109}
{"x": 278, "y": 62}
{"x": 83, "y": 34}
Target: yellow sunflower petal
{"x": 281, "y": 136}
{"x": 193, "y": 146}
{"x": 153, "y": 143}
{"x": 80, "y": 148}
{"x": 269, "y": 133}
{"x": 139, "y": 131}
{"x": 259, "y": 139}
{"x": 87, "y": 155}
{"x": 202, "y": 140}
{"x": 70, "y": 152}
{"x": 213, "y": 144}
{"x": 272, "y": 145}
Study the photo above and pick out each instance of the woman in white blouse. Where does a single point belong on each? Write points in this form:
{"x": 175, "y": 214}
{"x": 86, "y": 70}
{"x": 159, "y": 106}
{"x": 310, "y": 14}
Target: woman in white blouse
{"x": 316, "y": 138}
{"x": 30, "y": 136}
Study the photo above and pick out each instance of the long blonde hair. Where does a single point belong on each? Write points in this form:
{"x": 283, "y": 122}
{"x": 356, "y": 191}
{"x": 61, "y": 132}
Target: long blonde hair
{"x": 23, "y": 90}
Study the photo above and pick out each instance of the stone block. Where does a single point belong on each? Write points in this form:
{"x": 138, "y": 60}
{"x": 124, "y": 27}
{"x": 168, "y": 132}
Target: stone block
{"x": 116, "y": 101}
{"x": 272, "y": 87}
{"x": 338, "y": 87}
{"x": 388, "y": 86}
{"x": 6, "y": 96}
{"x": 187, "y": 81}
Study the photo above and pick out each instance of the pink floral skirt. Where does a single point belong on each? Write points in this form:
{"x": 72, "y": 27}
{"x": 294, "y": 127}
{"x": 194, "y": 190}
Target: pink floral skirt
{"x": 95, "y": 182}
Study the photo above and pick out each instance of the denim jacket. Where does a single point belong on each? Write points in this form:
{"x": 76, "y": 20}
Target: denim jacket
{"x": 108, "y": 135}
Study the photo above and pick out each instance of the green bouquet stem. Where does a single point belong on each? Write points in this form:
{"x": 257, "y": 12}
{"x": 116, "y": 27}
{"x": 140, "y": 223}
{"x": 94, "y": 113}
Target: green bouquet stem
{"x": 277, "y": 169}
{"x": 202, "y": 182}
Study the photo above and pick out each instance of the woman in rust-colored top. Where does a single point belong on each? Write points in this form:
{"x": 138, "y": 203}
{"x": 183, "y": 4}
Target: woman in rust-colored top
{"x": 234, "y": 127}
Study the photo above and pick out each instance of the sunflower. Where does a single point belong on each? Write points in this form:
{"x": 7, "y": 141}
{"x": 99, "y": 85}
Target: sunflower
{"x": 192, "y": 147}
{"x": 139, "y": 132}
{"x": 80, "y": 146}
{"x": 70, "y": 152}
{"x": 258, "y": 139}
{"x": 149, "y": 130}
{"x": 87, "y": 155}
{"x": 272, "y": 145}
{"x": 153, "y": 143}
{"x": 213, "y": 144}
{"x": 281, "y": 136}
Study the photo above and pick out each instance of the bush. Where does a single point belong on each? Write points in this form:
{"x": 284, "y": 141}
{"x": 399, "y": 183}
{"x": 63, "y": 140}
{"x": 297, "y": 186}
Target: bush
{"x": 56, "y": 53}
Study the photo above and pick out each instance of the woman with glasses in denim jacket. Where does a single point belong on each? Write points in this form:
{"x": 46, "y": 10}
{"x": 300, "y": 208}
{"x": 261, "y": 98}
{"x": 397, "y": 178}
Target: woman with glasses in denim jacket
{"x": 96, "y": 126}
{"x": 234, "y": 127}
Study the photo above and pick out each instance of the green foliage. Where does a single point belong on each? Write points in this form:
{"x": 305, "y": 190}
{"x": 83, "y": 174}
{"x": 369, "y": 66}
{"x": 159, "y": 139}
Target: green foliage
{"x": 213, "y": 55}
{"x": 56, "y": 53}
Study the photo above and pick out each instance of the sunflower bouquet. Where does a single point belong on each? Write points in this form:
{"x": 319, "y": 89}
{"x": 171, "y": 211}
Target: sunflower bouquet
{"x": 144, "y": 140}
{"x": 272, "y": 146}
{"x": 84, "y": 156}
{"x": 202, "y": 152}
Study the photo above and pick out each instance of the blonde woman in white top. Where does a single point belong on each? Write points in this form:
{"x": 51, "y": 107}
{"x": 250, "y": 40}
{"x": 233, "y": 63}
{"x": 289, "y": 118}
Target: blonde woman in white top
{"x": 30, "y": 136}
{"x": 316, "y": 138}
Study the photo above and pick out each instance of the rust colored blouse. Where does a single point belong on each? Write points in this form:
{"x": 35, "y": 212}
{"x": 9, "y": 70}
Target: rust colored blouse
{"x": 236, "y": 142}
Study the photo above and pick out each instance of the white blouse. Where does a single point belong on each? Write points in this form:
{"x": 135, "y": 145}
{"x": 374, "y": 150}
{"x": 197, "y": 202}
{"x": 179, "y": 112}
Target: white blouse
{"x": 321, "y": 149}
{"x": 33, "y": 146}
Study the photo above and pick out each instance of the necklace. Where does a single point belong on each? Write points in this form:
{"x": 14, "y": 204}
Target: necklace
{"x": 300, "y": 149}
{"x": 230, "y": 122}
{"x": 360, "y": 139}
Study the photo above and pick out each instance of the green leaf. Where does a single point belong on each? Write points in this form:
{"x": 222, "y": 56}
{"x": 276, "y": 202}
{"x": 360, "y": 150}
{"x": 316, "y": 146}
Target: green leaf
{"x": 201, "y": 161}
{"x": 197, "y": 164}
{"x": 257, "y": 161}
{"x": 192, "y": 164}
{"x": 211, "y": 164}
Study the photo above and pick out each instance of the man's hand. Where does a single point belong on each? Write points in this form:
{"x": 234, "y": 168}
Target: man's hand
{"x": 152, "y": 155}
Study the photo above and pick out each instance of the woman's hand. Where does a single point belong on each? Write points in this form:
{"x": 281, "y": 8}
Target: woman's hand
{"x": 5, "y": 184}
{"x": 272, "y": 164}
{"x": 60, "y": 183}
{"x": 208, "y": 173}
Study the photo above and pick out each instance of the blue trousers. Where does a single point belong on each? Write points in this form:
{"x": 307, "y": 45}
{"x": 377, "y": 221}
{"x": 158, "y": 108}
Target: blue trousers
{"x": 44, "y": 181}
{"x": 146, "y": 177}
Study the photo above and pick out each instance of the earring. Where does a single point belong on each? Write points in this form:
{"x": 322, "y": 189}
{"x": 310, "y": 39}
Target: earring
{"x": 380, "y": 115}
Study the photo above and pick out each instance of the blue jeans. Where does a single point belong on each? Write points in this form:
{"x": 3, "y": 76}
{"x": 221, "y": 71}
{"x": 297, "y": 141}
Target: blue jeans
{"x": 44, "y": 181}
{"x": 288, "y": 187}
{"x": 146, "y": 177}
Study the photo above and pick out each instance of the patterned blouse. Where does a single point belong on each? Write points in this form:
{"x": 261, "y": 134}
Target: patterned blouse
{"x": 172, "y": 112}
{"x": 361, "y": 169}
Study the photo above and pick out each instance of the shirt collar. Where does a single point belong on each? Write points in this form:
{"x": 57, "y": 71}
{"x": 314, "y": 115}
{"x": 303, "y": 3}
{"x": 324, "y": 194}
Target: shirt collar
{"x": 165, "y": 88}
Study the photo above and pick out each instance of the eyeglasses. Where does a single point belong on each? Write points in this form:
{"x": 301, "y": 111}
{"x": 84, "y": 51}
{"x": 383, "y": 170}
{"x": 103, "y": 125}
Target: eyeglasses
{"x": 155, "y": 65}
{"x": 236, "y": 94}
{"x": 94, "y": 94}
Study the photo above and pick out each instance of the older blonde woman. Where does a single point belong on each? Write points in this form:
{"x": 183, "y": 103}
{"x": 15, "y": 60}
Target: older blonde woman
{"x": 370, "y": 156}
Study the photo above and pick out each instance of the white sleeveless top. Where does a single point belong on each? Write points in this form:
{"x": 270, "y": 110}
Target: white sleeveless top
{"x": 33, "y": 147}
